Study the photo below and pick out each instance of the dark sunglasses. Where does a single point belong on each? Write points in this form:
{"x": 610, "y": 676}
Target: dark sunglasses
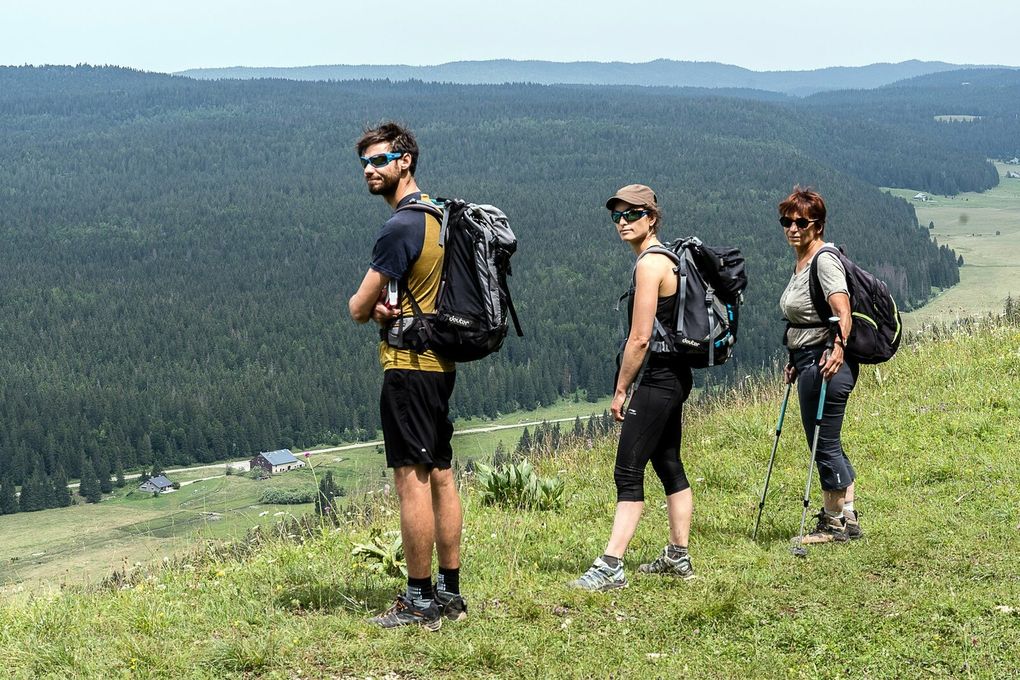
{"x": 801, "y": 222}
{"x": 380, "y": 160}
{"x": 632, "y": 215}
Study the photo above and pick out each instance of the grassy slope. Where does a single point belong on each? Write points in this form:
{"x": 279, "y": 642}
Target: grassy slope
{"x": 933, "y": 441}
{"x": 86, "y": 542}
{"x": 968, "y": 224}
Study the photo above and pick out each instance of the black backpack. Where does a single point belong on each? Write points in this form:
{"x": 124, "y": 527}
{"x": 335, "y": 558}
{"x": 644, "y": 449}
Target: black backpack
{"x": 877, "y": 329}
{"x": 710, "y": 286}
{"x": 473, "y": 305}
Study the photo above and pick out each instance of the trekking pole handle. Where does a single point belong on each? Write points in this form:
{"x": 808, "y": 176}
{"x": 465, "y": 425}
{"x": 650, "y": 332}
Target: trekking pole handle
{"x": 834, "y": 332}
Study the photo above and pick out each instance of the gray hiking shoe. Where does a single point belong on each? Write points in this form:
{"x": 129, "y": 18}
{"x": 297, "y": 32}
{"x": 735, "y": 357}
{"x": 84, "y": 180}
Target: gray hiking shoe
{"x": 853, "y": 524}
{"x": 404, "y": 613}
{"x": 451, "y": 606}
{"x": 829, "y": 529}
{"x": 664, "y": 564}
{"x": 601, "y": 577}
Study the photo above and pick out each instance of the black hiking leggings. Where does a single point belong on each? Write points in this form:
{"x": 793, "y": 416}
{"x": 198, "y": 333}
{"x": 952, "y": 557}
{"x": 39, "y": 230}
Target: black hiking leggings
{"x": 652, "y": 431}
{"x": 834, "y": 468}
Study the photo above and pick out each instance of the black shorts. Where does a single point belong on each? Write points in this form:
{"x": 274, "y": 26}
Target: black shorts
{"x": 415, "y": 410}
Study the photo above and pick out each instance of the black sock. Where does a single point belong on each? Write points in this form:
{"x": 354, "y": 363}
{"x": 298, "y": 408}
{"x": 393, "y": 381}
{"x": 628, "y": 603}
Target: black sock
{"x": 613, "y": 562}
{"x": 419, "y": 591}
{"x": 449, "y": 580}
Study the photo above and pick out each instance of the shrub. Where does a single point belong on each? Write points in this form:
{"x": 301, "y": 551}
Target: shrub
{"x": 518, "y": 487}
{"x": 287, "y": 497}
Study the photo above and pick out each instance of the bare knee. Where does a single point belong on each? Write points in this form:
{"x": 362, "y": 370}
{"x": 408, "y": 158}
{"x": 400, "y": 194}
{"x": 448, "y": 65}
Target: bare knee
{"x": 410, "y": 480}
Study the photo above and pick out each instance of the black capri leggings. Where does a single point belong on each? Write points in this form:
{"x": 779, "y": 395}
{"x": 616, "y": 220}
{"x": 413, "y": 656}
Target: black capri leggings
{"x": 652, "y": 431}
{"x": 834, "y": 468}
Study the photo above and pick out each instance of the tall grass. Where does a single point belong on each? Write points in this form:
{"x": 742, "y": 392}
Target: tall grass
{"x": 931, "y": 591}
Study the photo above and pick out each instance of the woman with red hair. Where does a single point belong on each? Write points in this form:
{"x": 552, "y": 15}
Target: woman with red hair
{"x": 802, "y": 216}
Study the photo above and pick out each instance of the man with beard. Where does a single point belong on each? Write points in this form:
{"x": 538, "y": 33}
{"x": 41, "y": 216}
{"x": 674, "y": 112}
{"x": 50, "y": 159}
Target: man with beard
{"x": 407, "y": 260}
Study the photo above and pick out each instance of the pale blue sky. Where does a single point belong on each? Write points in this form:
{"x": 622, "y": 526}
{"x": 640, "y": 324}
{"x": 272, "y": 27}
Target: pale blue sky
{"x": 171, "y": 36}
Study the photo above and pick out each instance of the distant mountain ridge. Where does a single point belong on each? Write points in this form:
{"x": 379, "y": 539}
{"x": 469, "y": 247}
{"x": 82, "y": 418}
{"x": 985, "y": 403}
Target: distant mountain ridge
{"x": 659, "y": 72}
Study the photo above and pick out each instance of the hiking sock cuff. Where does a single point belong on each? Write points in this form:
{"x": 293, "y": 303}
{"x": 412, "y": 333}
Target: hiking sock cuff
{"x": 613, "y": 562}
{"x": 848, "y": 505}
{"x": 448, "y": 580}
{"x": 675, "y": 552}
{"x": 419, "y": 591}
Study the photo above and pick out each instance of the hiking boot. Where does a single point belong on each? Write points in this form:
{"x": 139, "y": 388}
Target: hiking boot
{"x": 600, "y": 577}
{"x": 829, "y": 529}
{"x": 664, "y": 564}
{"x": 853, "y": 524}
{"x": 404, "y": 613}
{"x": 453, "y": 607}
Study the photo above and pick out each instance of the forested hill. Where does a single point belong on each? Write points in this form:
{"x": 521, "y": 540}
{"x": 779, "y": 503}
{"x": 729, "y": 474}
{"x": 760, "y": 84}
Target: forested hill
{"x": 974, "y": 110}
{"x": 177, "y": 253}
{"x": 658, "y": 72}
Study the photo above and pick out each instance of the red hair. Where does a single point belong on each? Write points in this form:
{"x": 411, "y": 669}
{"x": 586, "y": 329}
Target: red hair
{"x": 808, "y": 203}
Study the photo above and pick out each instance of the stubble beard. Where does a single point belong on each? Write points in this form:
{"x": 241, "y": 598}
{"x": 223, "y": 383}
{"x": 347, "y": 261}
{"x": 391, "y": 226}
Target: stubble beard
{"x": 386, "y": 188}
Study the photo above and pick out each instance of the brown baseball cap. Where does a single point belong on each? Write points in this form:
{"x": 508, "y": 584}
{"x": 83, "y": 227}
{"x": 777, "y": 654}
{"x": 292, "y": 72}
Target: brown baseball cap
{"x": 634, "y": 194}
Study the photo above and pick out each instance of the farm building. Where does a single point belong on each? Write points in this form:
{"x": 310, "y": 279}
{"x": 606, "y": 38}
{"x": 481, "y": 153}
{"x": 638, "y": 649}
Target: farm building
{"x": 277, "y": 461}
{"x": 921, "y": 197}
{"x": 157, "y": 484}
{"x": 1013, "y": 161}
{"x": 1012, "y": 175}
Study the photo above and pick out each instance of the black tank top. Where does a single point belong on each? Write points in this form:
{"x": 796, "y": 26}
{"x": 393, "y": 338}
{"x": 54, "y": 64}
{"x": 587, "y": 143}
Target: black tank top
{"x": 664, "y": 369}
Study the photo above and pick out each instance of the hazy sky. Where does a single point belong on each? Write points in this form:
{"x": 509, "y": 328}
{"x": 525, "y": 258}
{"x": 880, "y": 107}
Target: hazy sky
{"x": 163, "y": 35}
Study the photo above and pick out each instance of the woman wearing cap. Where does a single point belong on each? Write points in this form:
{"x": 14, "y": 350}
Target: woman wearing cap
{"x": 802, "y": 216}
{"x": 652, "y": 418}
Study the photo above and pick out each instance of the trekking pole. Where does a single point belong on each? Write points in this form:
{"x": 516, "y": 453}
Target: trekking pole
{"x": 772, "y": 458}
{"x": 799, "y": 550}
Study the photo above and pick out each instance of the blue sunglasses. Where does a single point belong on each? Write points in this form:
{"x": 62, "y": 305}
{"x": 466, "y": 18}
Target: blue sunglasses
{"x": 381, "y": 160}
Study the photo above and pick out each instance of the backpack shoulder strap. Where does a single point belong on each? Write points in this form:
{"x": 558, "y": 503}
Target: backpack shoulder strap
{"x": 422, "y": 206}
{"x": 818, "y": 300}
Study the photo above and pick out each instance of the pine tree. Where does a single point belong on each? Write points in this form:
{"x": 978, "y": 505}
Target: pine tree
{"x": 578, "y": 427}
{"x": 119, "y": 470}
{"x": 524, "y": 444}
{"x": 34, "y": 491}
{"x": 89, "y": 488}
{"x": 61, "y": 494}
{"x": 103, "y": 473}
{"x": 8, "y": 497}
{"x": 499, "y": 455}
{"x": 328, "y": 491}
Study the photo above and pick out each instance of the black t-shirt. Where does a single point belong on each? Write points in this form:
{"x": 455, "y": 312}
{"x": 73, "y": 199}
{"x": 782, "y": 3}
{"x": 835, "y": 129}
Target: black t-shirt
{"x": 400, "y": 241}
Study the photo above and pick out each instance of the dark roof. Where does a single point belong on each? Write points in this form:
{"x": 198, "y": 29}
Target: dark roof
{"x": 159, "y": 481}
{"x": 281, "y": 457}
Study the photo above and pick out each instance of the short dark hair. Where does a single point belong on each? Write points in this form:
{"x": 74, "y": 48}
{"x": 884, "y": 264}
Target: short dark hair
{"x": 808, "y": 203}
{"x": 399, "y": 137}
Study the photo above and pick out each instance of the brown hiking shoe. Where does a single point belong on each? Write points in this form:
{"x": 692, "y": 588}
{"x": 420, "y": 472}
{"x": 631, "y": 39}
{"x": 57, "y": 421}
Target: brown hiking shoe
{"x": 829, "y": 529}
{"x": 853, "y": 524}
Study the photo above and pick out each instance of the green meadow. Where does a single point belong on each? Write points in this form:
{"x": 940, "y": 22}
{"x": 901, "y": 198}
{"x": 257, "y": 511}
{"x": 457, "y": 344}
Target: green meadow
{"x": 985, "y": 229}
{"x": 85, "y": 543}
{"x": 932, "y": 589}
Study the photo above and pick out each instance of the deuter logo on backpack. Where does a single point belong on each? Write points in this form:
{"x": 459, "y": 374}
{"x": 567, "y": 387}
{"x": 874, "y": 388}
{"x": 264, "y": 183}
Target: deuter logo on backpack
{"x": 473, "y": 308}
{"x": 710, "y": 290}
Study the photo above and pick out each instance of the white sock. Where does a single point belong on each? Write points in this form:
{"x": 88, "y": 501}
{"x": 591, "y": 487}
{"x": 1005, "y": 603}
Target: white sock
{"x": 837, "y": 515}
{"x": 848, "y": 505}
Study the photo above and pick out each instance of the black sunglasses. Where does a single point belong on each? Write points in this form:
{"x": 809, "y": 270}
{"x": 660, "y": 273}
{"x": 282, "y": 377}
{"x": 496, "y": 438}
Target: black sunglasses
{"x": 632, "y": 215}
{"x": 801, "y": 222}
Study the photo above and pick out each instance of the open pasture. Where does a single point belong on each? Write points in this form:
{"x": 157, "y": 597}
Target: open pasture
{"x": 983, "y": 228}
